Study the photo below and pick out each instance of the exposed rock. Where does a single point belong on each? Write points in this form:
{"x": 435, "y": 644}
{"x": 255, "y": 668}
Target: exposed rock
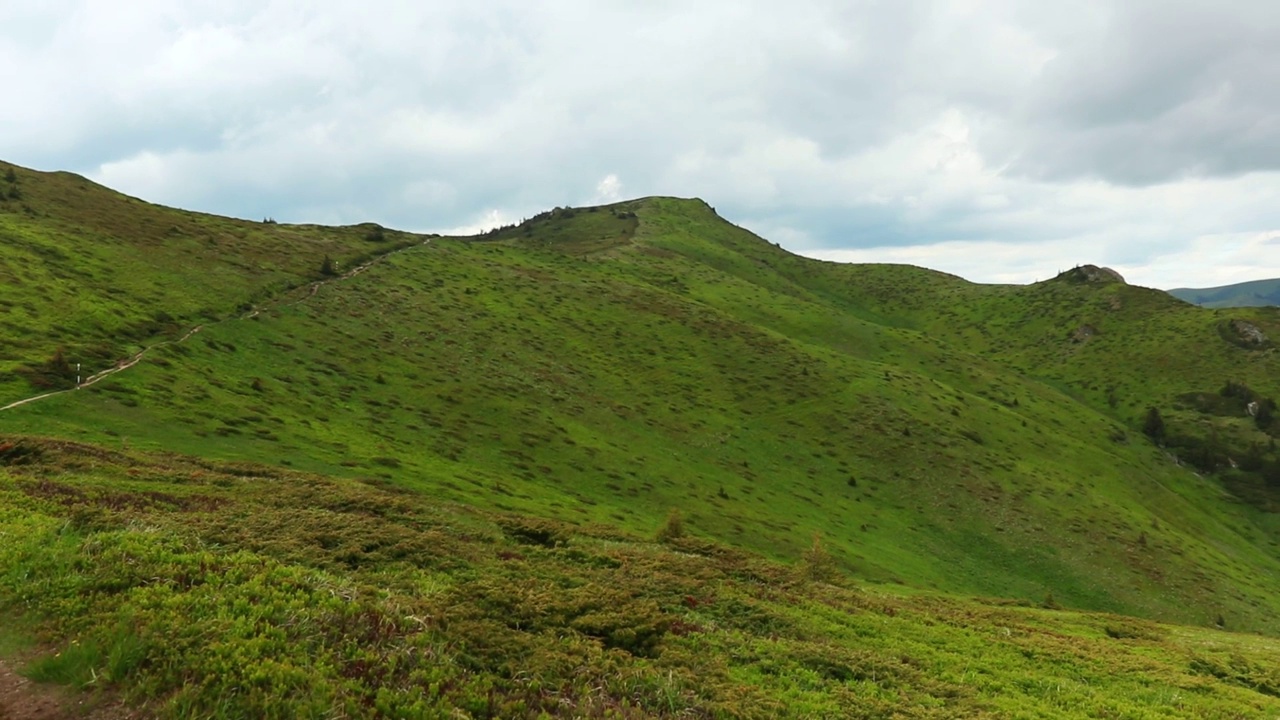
{"x": 1083, "y": 333}
{"x": 1093, "y": 274}
{"x": 1249, "y": 334}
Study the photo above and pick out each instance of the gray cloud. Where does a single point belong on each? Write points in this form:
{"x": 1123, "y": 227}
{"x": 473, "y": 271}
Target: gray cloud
{"x": 1127, "y": 129}
{"x": 1151, "y": 92}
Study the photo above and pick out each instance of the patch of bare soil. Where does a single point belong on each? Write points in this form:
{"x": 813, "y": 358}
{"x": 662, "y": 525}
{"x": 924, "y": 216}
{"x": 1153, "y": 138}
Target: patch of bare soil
{"x": 21, "y": 699}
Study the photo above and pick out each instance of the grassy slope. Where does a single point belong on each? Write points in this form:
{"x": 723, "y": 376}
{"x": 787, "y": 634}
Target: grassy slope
{"x": 218, "y": 590}
{"x": 1148, "y": 345}
{"x": 598, "y": 367}
{"x": 1248, "y": 294}
{"x": 1118, "y": 349}
{"x": 98, "y": 273}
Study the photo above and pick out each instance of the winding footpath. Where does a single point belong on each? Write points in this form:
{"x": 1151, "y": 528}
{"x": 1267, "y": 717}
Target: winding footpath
{"x": 125, "y": 364}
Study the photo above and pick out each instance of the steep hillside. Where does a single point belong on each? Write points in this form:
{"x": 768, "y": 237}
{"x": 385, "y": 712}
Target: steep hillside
{"x": 1257, "y": 293}
{"x": 605, "y": 365}
{"x": 95, "y": 274}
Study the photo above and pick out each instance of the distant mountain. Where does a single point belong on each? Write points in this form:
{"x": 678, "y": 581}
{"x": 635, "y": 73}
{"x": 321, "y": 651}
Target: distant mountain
{"x": 1258, "y": 293}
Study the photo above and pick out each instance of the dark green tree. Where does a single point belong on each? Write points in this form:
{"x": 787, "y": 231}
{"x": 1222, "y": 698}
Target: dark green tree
{"x": 817, "y": 564}
{"x": 59, "y": 366}
{"x": 56, "y": 372}
{"x": 1265, "y": 415}
{"x": 1153, "y": 426}
{"x": 10, "y": 176}
{"x": 1252, "y": 461}
{"x": 326, "y": 268}
{"x": 673, "y": 528}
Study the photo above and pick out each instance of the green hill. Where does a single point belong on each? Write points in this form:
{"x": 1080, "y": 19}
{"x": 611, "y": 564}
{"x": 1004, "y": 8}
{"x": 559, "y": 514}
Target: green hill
{"x": 98, "y": 274}
{"x": 1120, "y": 350}
{"x": 565, "y": 384}
{"x": 1257, "y": 293}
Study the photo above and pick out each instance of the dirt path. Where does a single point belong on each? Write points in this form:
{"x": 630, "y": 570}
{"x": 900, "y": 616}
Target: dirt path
{"x": 21, "y": 699}
{"x": 119, "y": 366}
{"x": 312, "y": 289}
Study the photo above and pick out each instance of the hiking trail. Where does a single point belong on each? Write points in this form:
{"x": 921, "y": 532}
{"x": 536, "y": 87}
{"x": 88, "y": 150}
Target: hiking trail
{"x": 121, "y": 365}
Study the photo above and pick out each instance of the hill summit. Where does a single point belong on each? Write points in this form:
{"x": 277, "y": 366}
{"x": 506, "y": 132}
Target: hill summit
{"x": 1092, "y": 274}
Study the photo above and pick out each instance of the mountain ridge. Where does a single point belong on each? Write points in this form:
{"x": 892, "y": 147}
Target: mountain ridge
{"x": 1254, "y": 293}
{"x": 701, "y": 283}
{"x": 574, "y": 379}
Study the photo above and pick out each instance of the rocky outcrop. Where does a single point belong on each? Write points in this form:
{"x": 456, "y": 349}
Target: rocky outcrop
{"x": 1093, "y": 274}
{"x": 1083, "y": 333}
{"x": 1247, "y": 333}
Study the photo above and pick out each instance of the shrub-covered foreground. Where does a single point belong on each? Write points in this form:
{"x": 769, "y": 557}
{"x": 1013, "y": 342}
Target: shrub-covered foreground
{"x": 202, "y": 590}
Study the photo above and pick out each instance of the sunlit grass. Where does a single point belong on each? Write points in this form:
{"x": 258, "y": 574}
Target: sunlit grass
{"x": 196, "y": 588}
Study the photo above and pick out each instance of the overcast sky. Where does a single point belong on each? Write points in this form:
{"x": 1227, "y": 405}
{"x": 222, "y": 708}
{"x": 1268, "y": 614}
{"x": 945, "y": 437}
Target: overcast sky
{"x": 1000, "y": 140}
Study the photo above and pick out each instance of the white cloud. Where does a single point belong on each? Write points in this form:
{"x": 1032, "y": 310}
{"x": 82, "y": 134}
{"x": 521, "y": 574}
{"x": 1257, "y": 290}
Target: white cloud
{"x": 1206, "y": 261}
{"x": 487, "y": 220}
{"x": 1213, "y": 260}
{"x": 608, "y": 190}
{"x": 978, "y": 261}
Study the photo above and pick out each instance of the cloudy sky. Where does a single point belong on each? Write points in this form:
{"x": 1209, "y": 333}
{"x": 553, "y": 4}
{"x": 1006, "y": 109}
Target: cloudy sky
{"x": 1003, "y": 140}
